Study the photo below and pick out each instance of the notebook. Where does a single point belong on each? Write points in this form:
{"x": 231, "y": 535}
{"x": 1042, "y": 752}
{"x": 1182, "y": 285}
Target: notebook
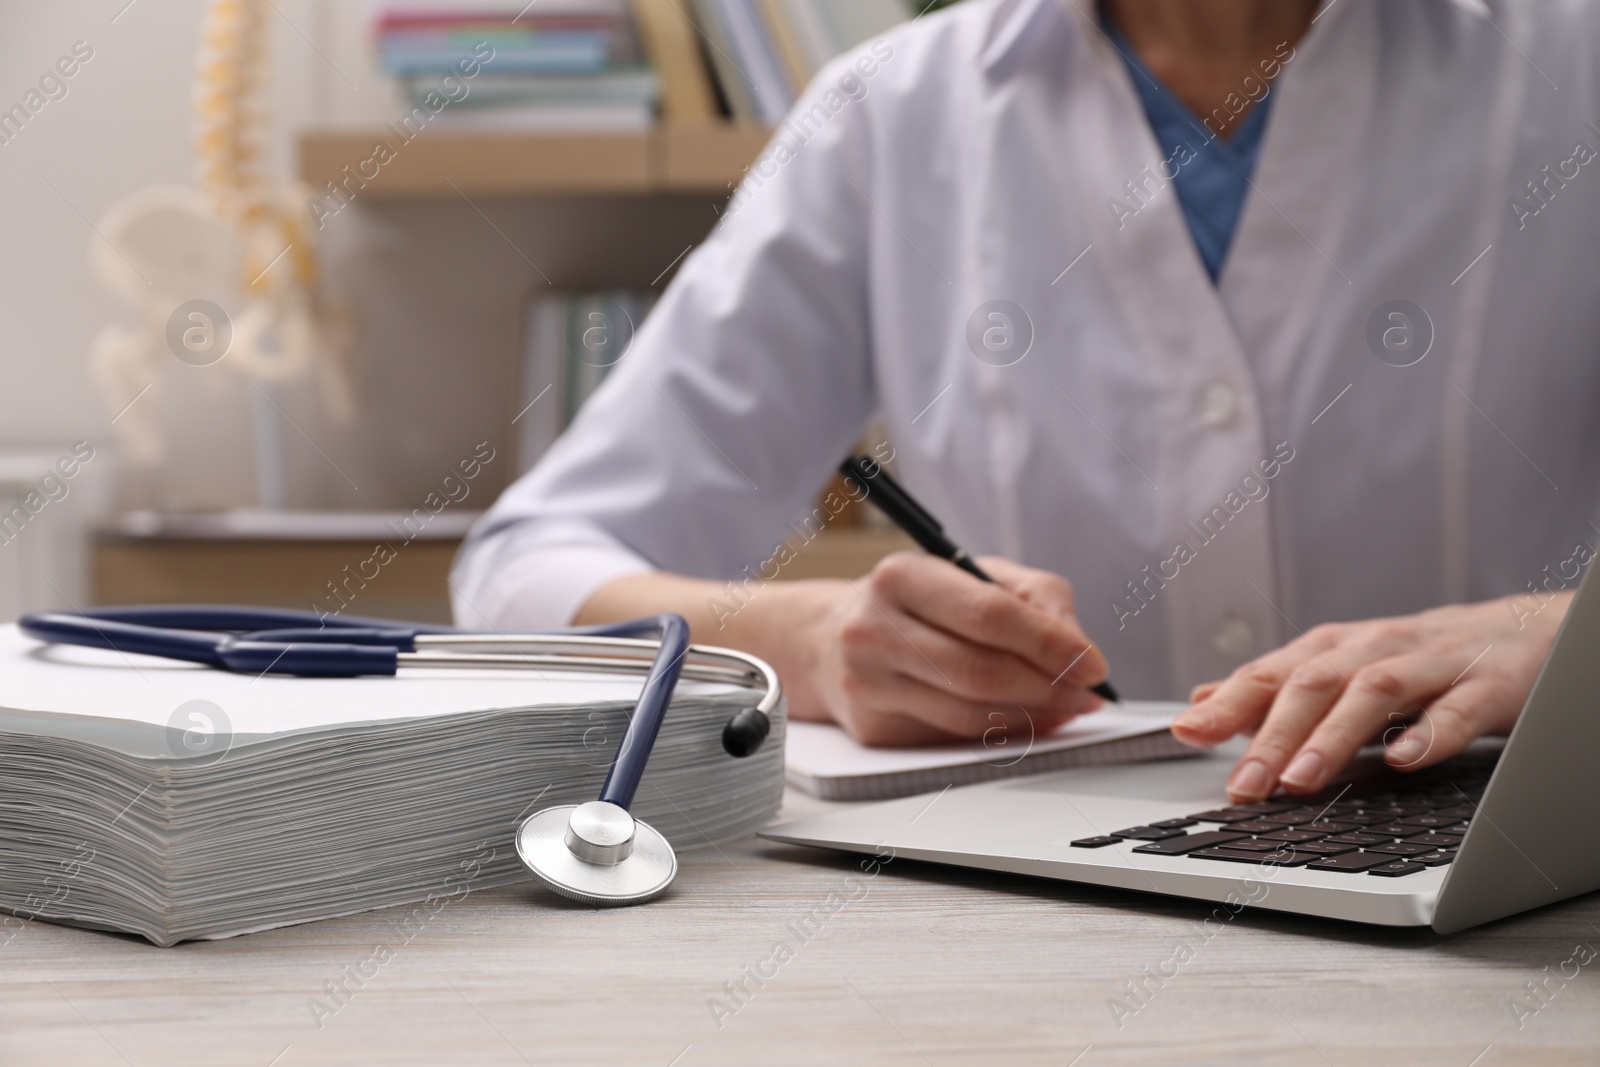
{"x": 176, "y": 802}
{"x": 824, "y": 761}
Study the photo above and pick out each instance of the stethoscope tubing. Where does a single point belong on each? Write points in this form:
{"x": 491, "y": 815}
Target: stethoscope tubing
{"x": 301, "y": 644}
{"x": 450, "y": 650}
{"x": 706, "y": 663}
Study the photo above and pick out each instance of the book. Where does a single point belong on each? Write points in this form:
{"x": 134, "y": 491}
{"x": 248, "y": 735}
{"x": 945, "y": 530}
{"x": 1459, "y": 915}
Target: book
{"x": 692, "y": 59}
{"x": 764, "y": 52}
{"x": 797, "y": 65}
{"x": 560, "y": 23}
{"x": 812, "y": 32}
{"x": 549, "y": 14}
{"x": 734, "y": 87}
{"x": 599, "y": 330}
{"x": 551, "y": 53}
{"x": 571, "y": 342}
{"x": 671, "y": 43}
{"x": 770, "y": 93}
{"x": 586, "y": 116}
{"x": 855, "y": 22}
{"x": 177, "y": 802}
{"x": 826, "y": 762}
{"x": 570, "y": 64}
{"x": 637, "y": 86}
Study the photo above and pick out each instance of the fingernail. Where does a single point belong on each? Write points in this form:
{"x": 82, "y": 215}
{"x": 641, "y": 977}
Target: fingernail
{"x": 1252, "y": 780}
{"x": 1406, "y": 750}
{"x": 1199, "y": 720}
{"x": 1305, "y": 772}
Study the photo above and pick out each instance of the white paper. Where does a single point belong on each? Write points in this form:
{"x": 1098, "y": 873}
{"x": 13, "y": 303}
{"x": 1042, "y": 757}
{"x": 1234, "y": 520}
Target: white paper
{"x": 822, "y": 750}
{"x": 255, "y": 523}
{"x": 67, "y": 680}
{"x": 324, "y": 796}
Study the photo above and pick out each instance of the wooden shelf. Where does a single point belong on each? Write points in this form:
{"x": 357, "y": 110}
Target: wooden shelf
{"x": 274, "y": 573}
{"x": 706, "y": 157}
{"x": 294, "y": 573}
{"x": 681, "y": 158}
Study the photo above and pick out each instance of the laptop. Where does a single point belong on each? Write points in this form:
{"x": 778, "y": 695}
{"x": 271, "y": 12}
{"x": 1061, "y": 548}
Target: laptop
{"x": 1502, "y": 828}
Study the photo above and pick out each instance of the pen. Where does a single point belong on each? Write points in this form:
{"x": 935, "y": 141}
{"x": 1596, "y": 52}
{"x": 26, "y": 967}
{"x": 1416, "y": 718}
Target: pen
{"x": 901, "y": 509}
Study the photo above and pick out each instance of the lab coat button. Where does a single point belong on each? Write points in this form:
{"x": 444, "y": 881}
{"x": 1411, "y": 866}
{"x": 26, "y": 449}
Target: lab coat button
{"x": 1234, "y": 637}
{"x": 1218, "y": 405}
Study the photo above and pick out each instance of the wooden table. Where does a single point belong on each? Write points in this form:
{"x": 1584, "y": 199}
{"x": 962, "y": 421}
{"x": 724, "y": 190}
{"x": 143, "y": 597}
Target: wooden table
{"x": 915, "y": 964}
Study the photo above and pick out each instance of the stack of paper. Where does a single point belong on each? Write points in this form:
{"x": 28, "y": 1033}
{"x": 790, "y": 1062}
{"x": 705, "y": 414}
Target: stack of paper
{"x": 825, "y": 762}
{"x": 180, "y": 802}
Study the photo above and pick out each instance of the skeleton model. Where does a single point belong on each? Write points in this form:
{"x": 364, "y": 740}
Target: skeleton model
{"x": 178, "y": 254}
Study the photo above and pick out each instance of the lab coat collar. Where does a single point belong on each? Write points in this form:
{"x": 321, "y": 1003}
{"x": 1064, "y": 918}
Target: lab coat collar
{"x": 1016, "y": 27}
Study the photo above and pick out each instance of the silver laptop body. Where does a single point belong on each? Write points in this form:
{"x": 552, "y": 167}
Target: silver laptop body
{"x": 1532, "y": 840}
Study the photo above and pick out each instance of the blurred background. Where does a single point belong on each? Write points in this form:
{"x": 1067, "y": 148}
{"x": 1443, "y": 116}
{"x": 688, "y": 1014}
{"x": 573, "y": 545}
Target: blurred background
{"x": 292, "y": 290}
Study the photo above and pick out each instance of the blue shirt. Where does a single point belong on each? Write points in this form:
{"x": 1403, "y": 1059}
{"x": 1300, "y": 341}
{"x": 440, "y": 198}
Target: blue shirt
{"x": 1211, "y": 186}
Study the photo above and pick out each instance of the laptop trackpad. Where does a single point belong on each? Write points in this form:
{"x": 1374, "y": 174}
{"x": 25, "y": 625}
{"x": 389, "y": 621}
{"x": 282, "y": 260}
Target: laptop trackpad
{"x": 1184, "y": 783}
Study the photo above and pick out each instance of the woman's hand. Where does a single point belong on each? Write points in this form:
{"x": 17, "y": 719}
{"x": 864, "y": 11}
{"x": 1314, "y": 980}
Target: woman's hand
{"x": 917, "y": 651}
{"x": 1425, "y": 685}
{"x": 920, "y": 651}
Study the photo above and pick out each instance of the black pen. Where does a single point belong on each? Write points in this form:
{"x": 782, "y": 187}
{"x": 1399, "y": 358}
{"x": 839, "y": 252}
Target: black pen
{"x": 890, "y": 497}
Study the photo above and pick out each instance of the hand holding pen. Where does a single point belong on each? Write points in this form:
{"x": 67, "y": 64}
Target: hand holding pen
{"x": 926, "y": 652}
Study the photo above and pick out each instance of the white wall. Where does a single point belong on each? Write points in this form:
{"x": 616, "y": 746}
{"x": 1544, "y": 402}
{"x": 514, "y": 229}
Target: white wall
{"x": 123, "y": 125}
{"x": 436, "y": 294}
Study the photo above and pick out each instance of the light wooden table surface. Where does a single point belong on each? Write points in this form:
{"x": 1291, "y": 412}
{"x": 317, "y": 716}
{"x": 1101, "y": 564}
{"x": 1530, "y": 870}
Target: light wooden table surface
{"x": 919, "y": 965}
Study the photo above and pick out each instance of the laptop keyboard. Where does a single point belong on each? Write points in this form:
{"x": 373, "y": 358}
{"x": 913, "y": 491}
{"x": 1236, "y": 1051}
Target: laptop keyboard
{"x": 1387, "y": 830}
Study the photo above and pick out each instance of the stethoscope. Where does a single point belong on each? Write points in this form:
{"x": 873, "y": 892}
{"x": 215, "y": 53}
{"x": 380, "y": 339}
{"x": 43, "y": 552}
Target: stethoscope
{"x": 596, "y": 852}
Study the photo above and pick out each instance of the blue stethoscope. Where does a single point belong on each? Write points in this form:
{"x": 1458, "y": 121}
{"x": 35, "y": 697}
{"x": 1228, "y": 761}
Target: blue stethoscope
{"x": 596, "y": 852}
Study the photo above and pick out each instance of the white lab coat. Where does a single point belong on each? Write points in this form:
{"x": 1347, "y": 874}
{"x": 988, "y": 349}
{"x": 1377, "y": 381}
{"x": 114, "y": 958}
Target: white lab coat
{"x": 987, "y": 152}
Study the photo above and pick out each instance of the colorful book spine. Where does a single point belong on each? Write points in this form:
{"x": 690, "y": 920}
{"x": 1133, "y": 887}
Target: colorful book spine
{"x": 764, "y": 52}
{"x": 748, "y": 59}
{"x": 567, "y": 54}
{"x": 568, "y": 65}
{"x": 550, "y": 41}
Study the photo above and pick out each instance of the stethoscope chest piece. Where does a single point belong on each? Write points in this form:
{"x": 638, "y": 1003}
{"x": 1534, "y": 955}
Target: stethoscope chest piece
{"x": 596, "y": 853}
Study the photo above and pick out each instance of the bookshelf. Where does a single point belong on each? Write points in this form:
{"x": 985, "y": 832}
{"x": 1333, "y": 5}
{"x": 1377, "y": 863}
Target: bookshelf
{"x": 195, "y": 568}
{"x": 682, "y": 157}
{"x": 686, "y": 158}
{"x": 594, "y": 210}
{"x": 424, "y": 274}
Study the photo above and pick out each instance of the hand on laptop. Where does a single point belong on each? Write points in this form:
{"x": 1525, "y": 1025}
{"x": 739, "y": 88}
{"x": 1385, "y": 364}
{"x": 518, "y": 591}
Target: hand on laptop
{"x": 1425, "y": 685}
{"x": 919, "y": 651}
